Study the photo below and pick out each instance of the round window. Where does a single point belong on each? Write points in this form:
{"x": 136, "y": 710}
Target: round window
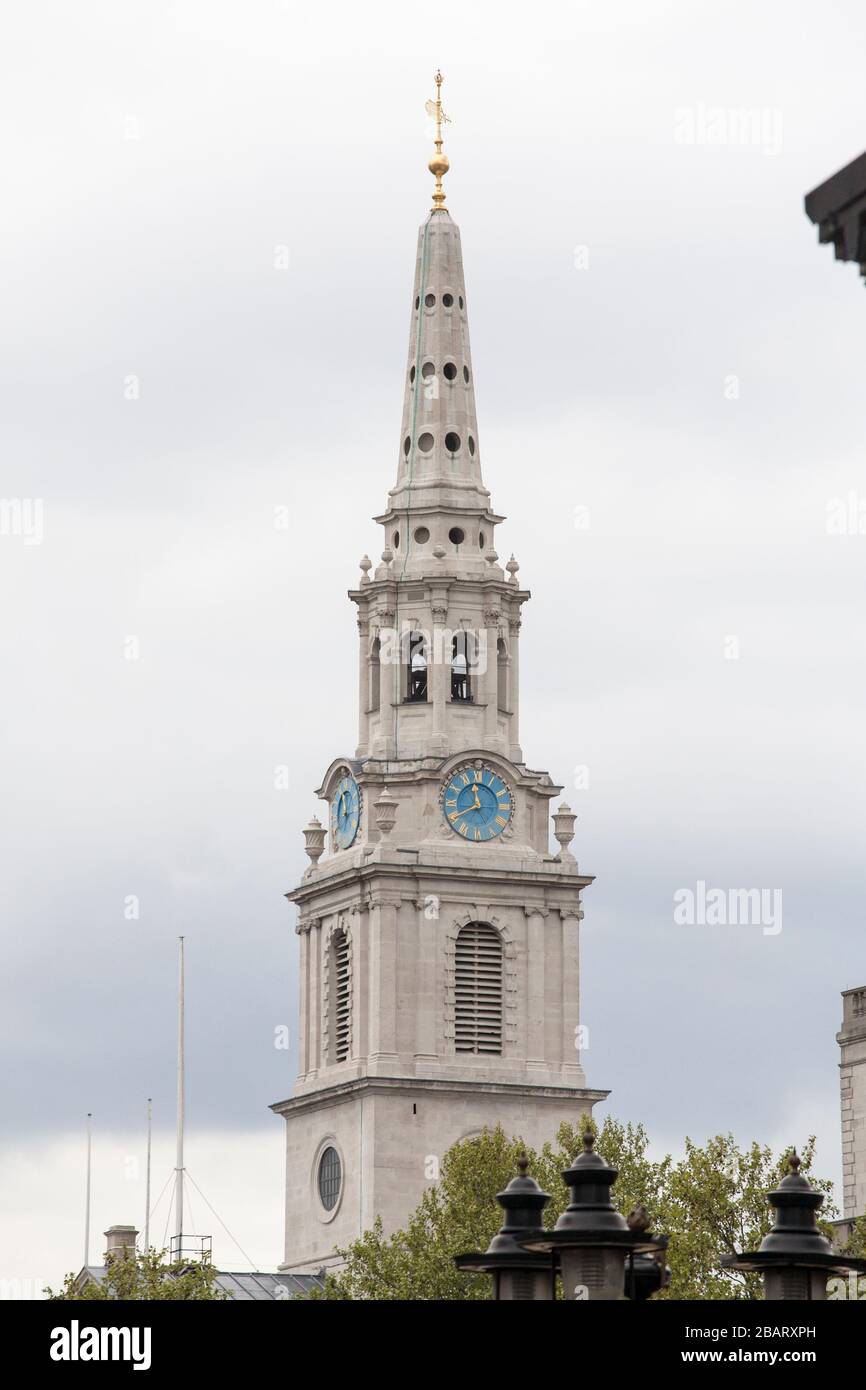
{"x": 466, "y": 375}
{"x": 471, "y": 445}
{"x": 407, "y": 445}
{"x": 460, "y": 301}
{"x": 452, "y": 442}
{"x": 480, "y": 540}
{"x": 330, "y": 1178}
{"x": 422, "y": 535}
{"x": 447, "y": 300}
{"x": 449, "y": 371}
{"x": 429, "y": 300}
{"x": 396, "y": 540}
{"x": 456, "y": 536}
{"x": 425, "y": 443}
{"x": 417, "y": 301}
{"x": 427, "y": 370}
{"x": 411, "y": 373}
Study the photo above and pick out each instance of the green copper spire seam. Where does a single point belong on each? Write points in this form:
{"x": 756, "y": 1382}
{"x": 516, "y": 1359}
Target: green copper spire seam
{"x": 422, "y": 283}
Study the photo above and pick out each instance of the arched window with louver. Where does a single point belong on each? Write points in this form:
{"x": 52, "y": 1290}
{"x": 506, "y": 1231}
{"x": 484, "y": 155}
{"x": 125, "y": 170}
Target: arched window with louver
{"x": 342, "y": 997}
{"x": 478, "y": 990}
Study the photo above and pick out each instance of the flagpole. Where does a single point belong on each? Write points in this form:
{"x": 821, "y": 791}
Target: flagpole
{"x": 87, "y": 1198}
{"x": 147, "y": 1181}
{"x": 180, "y": 1106}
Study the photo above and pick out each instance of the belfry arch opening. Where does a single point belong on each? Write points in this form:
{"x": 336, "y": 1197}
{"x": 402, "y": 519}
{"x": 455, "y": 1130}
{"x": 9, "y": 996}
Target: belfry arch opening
{"x": 502, "y": 675}
{"x": 462, "y": 656}
{"x": 416, "y": 673}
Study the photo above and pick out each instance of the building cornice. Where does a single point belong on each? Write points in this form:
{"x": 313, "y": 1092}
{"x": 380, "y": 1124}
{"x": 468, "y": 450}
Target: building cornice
{"x": 409, "y": 872}
{"x": 412, "y": 1086}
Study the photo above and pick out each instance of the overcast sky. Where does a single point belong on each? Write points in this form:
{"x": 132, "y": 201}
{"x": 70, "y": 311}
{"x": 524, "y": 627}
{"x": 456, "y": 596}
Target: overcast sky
{"x": 658, "y": 341}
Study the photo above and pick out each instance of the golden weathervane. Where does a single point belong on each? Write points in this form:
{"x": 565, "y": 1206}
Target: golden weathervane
{"x": 439, "y": 164}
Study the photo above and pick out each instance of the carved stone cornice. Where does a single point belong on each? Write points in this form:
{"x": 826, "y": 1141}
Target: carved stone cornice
{"x": 567, "y": 912}
{"x": 385, "y": 900}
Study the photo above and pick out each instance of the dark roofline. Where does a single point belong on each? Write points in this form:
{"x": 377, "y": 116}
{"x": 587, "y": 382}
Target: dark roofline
{"x": 837, "y": 192}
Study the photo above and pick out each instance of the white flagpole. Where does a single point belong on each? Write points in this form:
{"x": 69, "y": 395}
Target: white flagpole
{"x": 180, "y": 1106}
{"x": 87, "y": 1199}
{"x": 147, "y": 1181}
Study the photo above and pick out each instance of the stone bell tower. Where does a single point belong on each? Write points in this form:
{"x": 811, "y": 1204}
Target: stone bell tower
{"x": 439, "y": 966}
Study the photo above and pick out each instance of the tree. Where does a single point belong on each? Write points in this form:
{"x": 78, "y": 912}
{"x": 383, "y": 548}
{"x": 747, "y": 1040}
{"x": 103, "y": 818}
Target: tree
{"x": 715, "y": 1204}
{"x": 149, "y": 1276}
{"x": 711, "y": 1202}
{"x": 856, "y": 1244}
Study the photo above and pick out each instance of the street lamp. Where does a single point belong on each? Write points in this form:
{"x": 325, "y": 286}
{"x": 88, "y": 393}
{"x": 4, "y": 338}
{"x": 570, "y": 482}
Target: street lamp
{"x": 517, "y": 1274}
{"x": 795, "y": 1259}
{"x": 591, "y": 1241}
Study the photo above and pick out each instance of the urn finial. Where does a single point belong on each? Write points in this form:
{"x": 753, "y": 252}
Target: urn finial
{"x": 314, "y": 838}
{"x": 563, "y": 829}
{"x": 386, "y": 813}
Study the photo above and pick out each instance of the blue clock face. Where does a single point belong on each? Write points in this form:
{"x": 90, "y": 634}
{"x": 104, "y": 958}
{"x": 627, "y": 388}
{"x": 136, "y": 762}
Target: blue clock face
{"x": 477, "y": 803}
{"x": 345, "y": 812}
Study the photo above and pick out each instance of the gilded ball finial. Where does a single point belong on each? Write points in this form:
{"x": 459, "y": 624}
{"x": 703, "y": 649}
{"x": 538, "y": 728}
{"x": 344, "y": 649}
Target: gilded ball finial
{"x": 439, "y": 163}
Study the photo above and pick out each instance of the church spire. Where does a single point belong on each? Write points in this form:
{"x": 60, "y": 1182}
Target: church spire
{"x": 439, "y": 508}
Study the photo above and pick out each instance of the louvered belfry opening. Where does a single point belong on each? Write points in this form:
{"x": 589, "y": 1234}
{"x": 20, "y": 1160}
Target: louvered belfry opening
{"x": 478, "y": 990}
{"x": 342, "y": 997}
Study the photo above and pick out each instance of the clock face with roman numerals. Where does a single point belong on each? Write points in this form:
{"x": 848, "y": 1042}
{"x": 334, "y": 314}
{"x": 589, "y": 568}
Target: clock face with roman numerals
{"x": 345, "y": 812}
{"x": 477, "y": 803}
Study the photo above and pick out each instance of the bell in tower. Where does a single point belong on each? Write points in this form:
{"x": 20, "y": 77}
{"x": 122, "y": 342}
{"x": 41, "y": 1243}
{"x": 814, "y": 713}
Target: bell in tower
{"x": 439, "y": 934}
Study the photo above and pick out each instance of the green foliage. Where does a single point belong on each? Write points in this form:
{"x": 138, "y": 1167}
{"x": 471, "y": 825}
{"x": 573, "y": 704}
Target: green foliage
{"x": 716, "y": 1203}
{"x": 147, "y": 1276}
{"x": 710, "y": 1203}
{"x": 856, "y": 1243}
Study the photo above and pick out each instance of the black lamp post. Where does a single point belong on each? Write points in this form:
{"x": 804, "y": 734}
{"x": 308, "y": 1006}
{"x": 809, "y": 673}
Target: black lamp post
{"x": 795, "y": 1259}
{"x": 517, "y": 1274}
{"x": 645, "y": 1275}
{"x": 591, "y": 1241}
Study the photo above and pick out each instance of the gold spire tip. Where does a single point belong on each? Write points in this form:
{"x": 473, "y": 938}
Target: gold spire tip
{"x": 439, "y": 164}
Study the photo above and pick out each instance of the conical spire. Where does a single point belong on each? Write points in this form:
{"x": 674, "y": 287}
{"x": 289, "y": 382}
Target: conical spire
{"x": 439, "y": 433}
{"x": 439, "y": 485}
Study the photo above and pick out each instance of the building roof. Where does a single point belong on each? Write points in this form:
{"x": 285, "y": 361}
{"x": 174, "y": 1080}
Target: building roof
{"x": 838, "y": 206}
{"x": 260, "y": 1287}
{"x": 242, "y": 1285}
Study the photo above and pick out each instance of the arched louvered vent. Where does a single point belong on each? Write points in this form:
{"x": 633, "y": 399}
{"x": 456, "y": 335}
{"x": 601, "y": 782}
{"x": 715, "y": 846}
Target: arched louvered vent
{"x": 342, "y": 997}
{"x": 478, "y": 989}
